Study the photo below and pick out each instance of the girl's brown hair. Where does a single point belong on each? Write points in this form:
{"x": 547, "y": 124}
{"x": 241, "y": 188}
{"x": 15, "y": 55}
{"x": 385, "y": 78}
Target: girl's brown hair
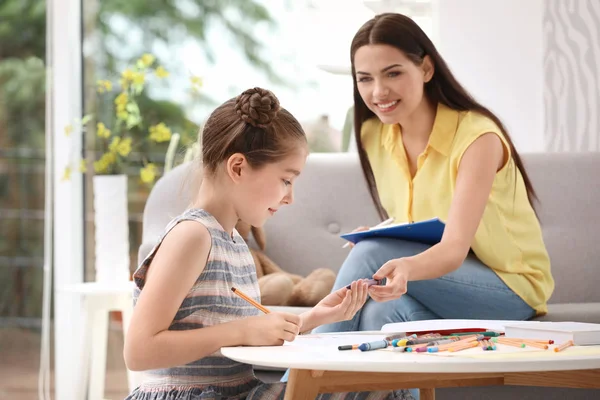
{"x": 252, "y": 124}
{"x": 404, "y": 34}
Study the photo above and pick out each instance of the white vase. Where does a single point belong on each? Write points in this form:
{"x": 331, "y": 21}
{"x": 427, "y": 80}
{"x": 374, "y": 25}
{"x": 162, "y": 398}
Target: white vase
{"x": 112, "y": 228}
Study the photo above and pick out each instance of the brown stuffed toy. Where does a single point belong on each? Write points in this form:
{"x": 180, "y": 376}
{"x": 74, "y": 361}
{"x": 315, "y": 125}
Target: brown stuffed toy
{"x": 280, "y": 288}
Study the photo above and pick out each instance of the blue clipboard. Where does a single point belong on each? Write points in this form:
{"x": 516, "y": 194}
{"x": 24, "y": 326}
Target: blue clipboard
{"x": 428, "y": 231}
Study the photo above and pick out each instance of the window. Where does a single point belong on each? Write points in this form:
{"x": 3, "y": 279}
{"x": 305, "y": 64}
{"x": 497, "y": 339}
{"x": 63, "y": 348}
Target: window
{"x": 22, "y": 172}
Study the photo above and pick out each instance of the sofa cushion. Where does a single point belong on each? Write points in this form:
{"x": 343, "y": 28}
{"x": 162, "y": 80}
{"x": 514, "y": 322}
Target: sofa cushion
{"x": 568, "y": 189}
{"x": 578, "y": 312}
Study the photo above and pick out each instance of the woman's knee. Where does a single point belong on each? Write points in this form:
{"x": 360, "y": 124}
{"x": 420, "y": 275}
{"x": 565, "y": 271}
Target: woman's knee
{"x": 360, "y": 263}
{"x": 371, "y": 254}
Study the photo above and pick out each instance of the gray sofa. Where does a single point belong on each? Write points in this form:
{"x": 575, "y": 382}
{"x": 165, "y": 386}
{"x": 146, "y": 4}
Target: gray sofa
{"x": 331, "y": 198}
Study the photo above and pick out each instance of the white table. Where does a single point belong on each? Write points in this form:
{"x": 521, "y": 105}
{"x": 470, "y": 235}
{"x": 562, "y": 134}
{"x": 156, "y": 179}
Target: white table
{"x": 98, "y": 300}
{"x": 324, "y": 369}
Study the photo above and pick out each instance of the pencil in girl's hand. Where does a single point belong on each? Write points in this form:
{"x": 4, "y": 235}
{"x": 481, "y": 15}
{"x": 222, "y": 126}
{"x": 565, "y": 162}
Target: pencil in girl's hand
{"x": 250, "y": 300}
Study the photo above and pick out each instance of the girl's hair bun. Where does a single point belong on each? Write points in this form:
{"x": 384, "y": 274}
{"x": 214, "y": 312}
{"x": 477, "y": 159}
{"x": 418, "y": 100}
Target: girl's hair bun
{"x": 257, "y": 107}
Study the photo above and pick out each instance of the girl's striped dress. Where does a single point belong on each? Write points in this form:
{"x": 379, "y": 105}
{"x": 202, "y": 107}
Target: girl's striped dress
{"x": 209, "y": 302}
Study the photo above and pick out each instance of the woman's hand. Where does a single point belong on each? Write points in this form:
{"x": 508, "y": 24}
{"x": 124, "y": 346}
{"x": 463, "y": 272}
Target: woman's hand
{"x": 396, "y": 274}
{"x": 340, "y": 305}
{"x": 359, "y": 229}
{"x": 270, "y": 329}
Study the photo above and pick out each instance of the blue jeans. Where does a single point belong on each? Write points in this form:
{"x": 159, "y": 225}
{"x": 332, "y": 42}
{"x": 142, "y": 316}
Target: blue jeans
{"x": 473, "y": 291}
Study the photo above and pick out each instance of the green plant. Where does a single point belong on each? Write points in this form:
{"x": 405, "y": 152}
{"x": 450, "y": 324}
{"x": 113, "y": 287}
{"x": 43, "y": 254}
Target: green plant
{"x": 125, "y": 129}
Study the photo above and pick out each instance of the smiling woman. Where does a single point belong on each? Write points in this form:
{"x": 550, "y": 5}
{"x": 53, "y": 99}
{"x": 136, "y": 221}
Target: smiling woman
{"x": 429, "y": 150}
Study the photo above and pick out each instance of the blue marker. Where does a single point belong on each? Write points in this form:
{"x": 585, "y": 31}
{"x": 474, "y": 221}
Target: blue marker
{"x": 380, "y": 344}
{"x": 371, "y": 282}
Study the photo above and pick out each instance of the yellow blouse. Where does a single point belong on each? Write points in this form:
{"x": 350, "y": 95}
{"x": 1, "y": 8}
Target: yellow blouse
{"x": 509, "y": 238}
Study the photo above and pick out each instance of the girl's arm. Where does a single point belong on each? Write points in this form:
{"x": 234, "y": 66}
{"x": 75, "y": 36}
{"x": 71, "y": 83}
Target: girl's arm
{"x": 476, "y": 173}
{"x": 177, "y": 264}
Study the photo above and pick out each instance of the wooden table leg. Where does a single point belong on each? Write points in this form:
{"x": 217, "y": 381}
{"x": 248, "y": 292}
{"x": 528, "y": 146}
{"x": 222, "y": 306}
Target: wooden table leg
{"x": 301, "y": 385}
{"x": 427, "y": 394}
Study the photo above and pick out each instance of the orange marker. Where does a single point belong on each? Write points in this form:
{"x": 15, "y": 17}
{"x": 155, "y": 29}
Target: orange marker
{"x": 535, "y": 344}
{"x": 564, "y": 346}
{"x": 464, "y": 346}
{"x": 508, "y": 342}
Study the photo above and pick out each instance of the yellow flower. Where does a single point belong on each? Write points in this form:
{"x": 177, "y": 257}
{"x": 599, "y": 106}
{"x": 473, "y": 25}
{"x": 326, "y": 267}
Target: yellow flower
{"x": 197, "y": 82}
{"x": 82, "y": 167}
{"x": 102, "y": 131}
{"x": 66, "y": 174}
{"x": 109, "y": 158}
{"x": 148, "y": 173}
{"x": 147, "y": 60}
{"x": 104, "y": 86}
{"x": 160, "y": 133}
{"x": 122, "y": 99}
{"x": 127, "y": 74}
{"x": 138, "y": 78}
{"x": 124, "y": 147}
{"x": 121, "y": 103}
{"x": 68, "y": 129}
{"x": 161, "y": 72}
{"x": 100, "y": 166}
{"x": 114, "y": 144}
{"x": 104, "y": 162}
{"x": 126, "y": 78}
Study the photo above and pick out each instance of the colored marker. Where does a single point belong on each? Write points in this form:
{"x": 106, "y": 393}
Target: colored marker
{"x": 442, "y": 341}
{"x": 348, "y": 347}
{"x": 487, "y": 333}
{"x": 371, "y": 282}
{"x": 399, "y": 342}
{"x": 418, "y": 341}
{"x": 379, "y": 344}
{"x": 563, "y": 346}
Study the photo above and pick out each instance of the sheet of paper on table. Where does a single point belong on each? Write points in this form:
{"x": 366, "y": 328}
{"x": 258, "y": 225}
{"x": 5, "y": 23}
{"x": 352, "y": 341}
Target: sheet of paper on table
{"x": 334, "y": 340}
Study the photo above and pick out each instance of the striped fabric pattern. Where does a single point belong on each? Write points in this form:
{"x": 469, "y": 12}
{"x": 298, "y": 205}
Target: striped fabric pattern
{"x": 209, "y": 302}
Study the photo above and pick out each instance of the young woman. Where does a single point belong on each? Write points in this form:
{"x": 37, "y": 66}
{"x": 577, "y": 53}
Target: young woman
{"x": 428, "y": 149}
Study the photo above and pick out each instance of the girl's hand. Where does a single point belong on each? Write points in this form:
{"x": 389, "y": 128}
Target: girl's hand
{"x": 340, "y": 305}
{"x": 395, "y": 272}
{"x": 270, "y": 329}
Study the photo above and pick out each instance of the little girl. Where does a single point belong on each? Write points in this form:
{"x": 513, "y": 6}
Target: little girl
{"x": 185, "y": 311}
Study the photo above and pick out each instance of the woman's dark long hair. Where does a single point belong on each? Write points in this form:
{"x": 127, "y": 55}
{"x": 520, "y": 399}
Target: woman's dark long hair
{"x": 404, "y": 34}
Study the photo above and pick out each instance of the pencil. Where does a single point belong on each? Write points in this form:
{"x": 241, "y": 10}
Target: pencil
{"x": 250, "y": 300}
{"x": 563, "y": 346}
{"x": 379, "y": 225}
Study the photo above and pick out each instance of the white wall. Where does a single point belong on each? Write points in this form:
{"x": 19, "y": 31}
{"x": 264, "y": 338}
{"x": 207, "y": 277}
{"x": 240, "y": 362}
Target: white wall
{"x": 495, "y": 49}
{"x": 572, "y": 75}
